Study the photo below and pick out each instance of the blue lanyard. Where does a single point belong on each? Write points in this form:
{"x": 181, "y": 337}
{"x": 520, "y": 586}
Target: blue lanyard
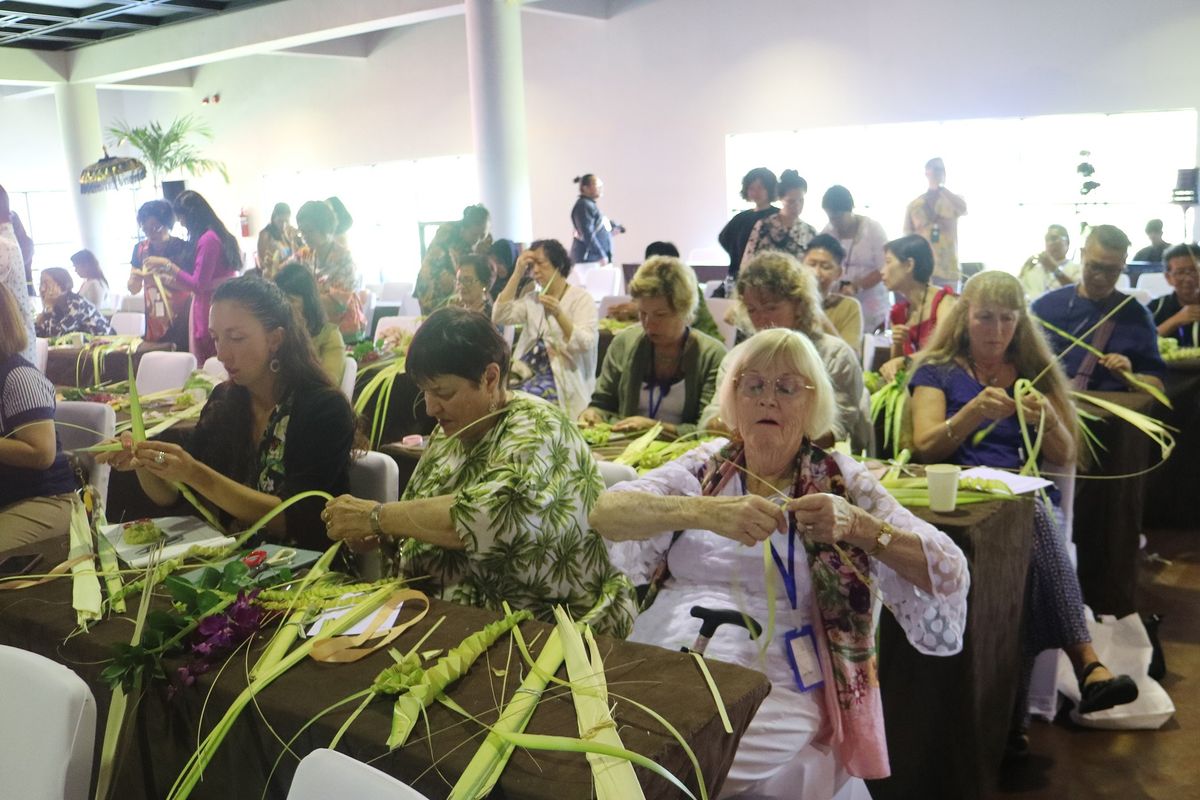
{"x": 789, "y": 573}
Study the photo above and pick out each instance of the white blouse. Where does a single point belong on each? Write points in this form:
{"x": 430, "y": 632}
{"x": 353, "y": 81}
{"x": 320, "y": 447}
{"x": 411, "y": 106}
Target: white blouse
{"x": 573, "y": 360}
{"x": 716, "y": 572}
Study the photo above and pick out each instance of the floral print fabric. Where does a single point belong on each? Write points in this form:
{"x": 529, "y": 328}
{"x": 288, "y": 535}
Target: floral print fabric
{"x": 522, "y": 495}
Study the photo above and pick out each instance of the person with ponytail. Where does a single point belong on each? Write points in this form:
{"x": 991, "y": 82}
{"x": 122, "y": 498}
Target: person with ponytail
{"x": 277, "y": 427}
{"x": 593, "y": 230}
{"x": 784, "y": 231}
{"x": 218, "y": 258}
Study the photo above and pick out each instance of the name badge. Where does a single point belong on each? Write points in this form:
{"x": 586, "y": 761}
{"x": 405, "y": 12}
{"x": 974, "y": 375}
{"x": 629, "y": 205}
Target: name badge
{"x": 801, "y": 649}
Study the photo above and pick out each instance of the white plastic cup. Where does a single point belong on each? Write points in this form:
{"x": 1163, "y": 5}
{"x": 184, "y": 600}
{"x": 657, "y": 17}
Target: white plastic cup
{"x": 943, "y": 486}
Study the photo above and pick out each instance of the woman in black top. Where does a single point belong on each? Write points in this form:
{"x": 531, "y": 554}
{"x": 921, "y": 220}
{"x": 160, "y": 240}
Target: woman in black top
{"x": 276, "y": 428}
{"x": 593, "y": 230}
{"x": 761, "y": 187}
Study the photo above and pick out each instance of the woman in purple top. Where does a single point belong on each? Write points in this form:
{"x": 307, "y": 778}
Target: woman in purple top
{"x": 961, "y": 384}
{"x": 218, "y": 258}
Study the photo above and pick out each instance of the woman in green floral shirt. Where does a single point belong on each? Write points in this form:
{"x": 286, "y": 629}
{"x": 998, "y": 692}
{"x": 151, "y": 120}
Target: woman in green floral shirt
{"x": 497, "y": 509}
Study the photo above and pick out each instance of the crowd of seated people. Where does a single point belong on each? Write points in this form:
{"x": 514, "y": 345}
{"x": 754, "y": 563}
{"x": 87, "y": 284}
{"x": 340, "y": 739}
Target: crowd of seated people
{"x": 507, "y": 504}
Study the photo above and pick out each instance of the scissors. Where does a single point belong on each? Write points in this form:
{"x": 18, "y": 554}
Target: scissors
{"x": 259, "y": 561}
{"x": 150, "y": 548}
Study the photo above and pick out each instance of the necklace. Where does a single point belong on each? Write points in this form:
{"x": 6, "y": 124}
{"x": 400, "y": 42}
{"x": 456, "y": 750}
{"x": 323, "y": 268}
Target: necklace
{"x": 994, "y": 379}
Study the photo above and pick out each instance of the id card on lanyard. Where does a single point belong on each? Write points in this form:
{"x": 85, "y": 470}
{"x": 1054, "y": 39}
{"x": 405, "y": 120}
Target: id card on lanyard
{"x": 799, "y": 644}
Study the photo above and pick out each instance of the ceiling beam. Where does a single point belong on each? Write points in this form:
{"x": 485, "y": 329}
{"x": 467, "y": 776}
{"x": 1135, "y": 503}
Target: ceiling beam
{"x": 252, "y": 31}
{"x": 22, "y": 67}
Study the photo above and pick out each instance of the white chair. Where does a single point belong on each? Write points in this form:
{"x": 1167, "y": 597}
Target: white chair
{"x": 712, "y": 286}
{"x": 323, "y": 774}
{"x": 133, "y": 302}
{"x": 614, "y": 473}
{"x": 395, "y": 292}
{"x": 1140, "y": 294}
{"x": 349, "y": 374}
{"x": 48, "y": 726}
{"x": 610, "y": 301}
{"x": 409, "y": 324}
{"x": 720, "y": 307}
{"x": 374, "y": 476}
{"x": 42, "y": 350}
{"x": 871, "y": 343}
{"x": 214, "y": 367}
{"x": 603, "y": 281}
{"x": 129, "y": 323}
{"x": 83, "y": 425}
{"x": 1155, "y": 283}
{"x": 1123, "y": 282}
{"x": 160, "y": 370}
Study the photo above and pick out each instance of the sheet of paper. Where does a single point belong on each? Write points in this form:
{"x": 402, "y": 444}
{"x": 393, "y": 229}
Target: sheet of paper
{"x": 354, "y": 630}
{"x": 1019, "y": 484}
{"x": 191, "y": 532}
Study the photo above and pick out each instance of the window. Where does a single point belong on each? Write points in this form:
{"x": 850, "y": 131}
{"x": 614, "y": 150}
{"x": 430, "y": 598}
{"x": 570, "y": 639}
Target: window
{"x": 389, "y": 202}
{"x": 1017, "y": 175}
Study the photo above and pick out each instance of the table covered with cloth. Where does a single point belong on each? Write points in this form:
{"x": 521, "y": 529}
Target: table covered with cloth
{"x": 72, "y": 366}
{"x": 1168, "y": 503}
{"x": 162, "y": 733}
{"x": 947, "y": 718}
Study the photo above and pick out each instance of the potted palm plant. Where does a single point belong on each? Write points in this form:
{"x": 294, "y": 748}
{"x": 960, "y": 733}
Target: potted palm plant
{"x": 171, "y": 149}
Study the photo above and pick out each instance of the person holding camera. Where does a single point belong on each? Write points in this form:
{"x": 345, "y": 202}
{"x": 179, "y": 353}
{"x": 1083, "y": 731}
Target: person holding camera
{"x": 593, "y": 231}
{"x": 934, "y": 217}
{"x": 1050, "y": 269}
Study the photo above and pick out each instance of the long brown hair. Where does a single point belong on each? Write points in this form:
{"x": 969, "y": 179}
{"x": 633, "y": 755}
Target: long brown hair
{"x": 1028, "y": 351}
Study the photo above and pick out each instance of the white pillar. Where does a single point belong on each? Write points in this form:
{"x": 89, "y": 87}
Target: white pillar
{"x": 497, "y": 82}
{"x": 79, "y": 127}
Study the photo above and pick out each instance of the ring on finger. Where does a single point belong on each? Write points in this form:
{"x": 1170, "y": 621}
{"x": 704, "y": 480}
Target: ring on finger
{"x": 160, "y": 458}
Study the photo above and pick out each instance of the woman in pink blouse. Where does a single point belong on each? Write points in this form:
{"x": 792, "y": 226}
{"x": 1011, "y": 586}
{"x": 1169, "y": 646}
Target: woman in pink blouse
{"x": 218, "y": 258}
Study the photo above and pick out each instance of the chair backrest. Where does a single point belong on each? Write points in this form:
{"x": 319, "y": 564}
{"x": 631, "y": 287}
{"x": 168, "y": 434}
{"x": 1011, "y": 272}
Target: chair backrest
{"x": 375, "y": 476}
{"x": 602, "y": 281}
{"x": 214, "y": 367}
{"x": 323, "y": 774}
{"x": 409, "y": 324}
{"x": 133, "y": 302}
{"x": 349, "y": 374}
{"x": 83, "y": 425}
{"x": 1123, "y": 282}
{"x": 614, "y": 473}
{"x": 1155, "y": 283}
{"x": 720, "y": 308}
{"x": 712, "y": 286}
{"x": 1141, "y": 295}
{"x": 161, "y": 369}
{"x": 612, "y": 300}
{"x": 42, "y": 349}
{"x": 129, "y": 323}
{"x": 48, "y": 727}
{"x": 395, "y": 291}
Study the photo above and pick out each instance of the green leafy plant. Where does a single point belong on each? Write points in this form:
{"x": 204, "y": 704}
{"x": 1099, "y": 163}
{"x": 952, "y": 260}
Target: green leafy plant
{"x": 170, "y": 149}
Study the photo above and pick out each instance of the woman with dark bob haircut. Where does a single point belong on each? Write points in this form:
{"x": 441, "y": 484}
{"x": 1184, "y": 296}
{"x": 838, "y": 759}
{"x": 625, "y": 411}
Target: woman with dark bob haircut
{"x": 300, "y": 285}
{"x": 497, "y": 508}
{"x": 275, "y": 428}
{"x": 555, "y": 358}
{"x": 907, "y": 268}
{"x": 166, "y": 315}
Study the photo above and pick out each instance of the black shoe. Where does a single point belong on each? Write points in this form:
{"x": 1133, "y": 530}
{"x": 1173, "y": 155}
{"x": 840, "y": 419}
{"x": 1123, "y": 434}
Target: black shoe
{"x": 1100, "y": 695}
{"x": 1017, "y": 747}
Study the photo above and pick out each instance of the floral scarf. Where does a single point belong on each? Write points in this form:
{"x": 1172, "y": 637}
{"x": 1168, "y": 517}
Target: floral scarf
{"x": 846, "y": 638}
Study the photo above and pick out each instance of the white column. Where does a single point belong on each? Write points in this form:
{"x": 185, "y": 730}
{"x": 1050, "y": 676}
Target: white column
{"x": 79, "y": 126}
{"x": 497, "y": 82}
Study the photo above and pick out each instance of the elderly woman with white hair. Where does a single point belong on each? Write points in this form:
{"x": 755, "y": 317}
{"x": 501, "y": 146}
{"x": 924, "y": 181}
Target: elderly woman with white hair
{"x": 804, "y": 542}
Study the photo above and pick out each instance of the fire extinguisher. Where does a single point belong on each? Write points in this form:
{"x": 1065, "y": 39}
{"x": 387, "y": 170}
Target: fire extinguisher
{"x": 244, "y": 220}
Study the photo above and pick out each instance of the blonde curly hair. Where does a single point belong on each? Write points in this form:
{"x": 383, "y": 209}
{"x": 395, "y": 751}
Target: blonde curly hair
{"x": 776, "y": 273}
{"x": 667, "y": 276}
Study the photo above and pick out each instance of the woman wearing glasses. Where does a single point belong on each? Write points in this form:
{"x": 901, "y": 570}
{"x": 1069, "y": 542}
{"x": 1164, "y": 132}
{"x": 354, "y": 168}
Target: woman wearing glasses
{"x": 836, "y": 545}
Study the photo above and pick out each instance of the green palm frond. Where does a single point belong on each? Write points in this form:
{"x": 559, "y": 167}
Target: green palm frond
{"x": 168, "y": 150}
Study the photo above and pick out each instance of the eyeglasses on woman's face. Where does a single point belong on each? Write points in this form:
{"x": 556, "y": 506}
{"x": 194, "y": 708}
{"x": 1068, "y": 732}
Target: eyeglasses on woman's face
{"x": 785, "y": 387}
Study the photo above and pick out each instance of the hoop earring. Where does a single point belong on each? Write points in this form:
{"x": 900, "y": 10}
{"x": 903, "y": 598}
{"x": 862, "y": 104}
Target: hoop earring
{"x": 492, "y": 407}
{"x": 274, "y": 365}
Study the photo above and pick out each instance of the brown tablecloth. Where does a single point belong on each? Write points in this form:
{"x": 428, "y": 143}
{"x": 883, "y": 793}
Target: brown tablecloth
{"x": 163, "y": 732}
{"x": 1168, "y": 504}
{"x": 1108, "y": 512}
{"x": 947, "y": 718}
{"x": 62, "y": 363}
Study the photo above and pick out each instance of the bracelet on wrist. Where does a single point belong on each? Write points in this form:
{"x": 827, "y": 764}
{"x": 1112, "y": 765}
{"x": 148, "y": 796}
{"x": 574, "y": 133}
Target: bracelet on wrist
{"x": 883, "y": 538}
{"x": 373, "y": 519}
{"x": 949, "y": 431}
